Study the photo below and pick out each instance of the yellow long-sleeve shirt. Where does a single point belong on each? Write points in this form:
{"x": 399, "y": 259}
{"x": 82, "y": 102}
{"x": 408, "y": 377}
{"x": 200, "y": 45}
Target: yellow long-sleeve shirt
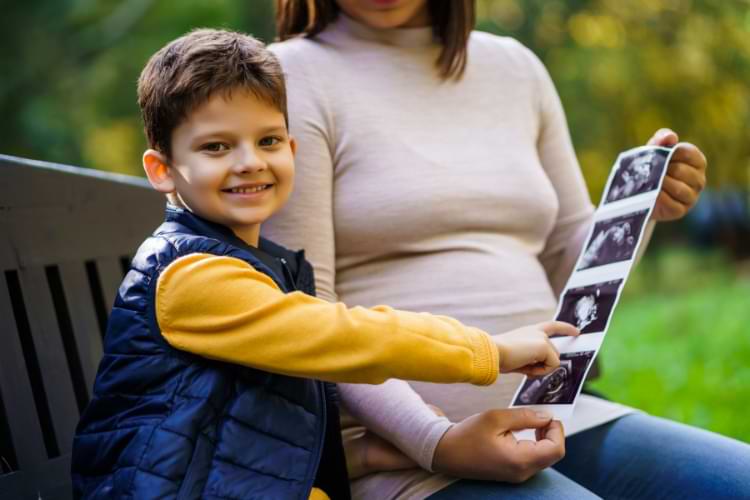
{"x": 224, "y": 309}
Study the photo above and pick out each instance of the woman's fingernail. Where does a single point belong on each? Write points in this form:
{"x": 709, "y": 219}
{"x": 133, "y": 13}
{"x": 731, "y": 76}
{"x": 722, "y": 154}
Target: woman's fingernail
{"x": 543, "y": 415}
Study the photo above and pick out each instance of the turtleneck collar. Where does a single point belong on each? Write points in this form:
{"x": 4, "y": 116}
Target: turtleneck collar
{"x": 399, "y": 37}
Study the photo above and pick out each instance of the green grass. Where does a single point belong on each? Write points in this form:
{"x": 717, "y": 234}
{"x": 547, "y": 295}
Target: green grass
{"x": 679, "y": 343}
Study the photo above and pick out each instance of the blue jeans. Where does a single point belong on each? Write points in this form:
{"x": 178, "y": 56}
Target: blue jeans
{"x": 636, "y": 456}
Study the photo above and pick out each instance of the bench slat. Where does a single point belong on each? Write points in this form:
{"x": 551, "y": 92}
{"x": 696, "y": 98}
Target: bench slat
{"x": 16, "y": 389}
{"x": 50, "y": 481}
{"x": 83, "y": 317}
{"x": 51, "y": 355}
{"x": 55, "y": 215}
{"x": 110, "y": 274}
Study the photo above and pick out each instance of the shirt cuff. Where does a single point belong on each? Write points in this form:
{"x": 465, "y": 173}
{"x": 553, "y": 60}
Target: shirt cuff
{"x": 433, "y": 434}
{"x": 486, "y": 359}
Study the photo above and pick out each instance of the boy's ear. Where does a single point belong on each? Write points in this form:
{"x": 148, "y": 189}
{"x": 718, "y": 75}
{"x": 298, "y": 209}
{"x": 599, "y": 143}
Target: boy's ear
{"x": 158, "y": 171}
{"x": 293, "y": 145}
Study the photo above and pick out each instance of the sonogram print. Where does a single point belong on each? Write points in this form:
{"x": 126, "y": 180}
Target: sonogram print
{"x": 560, "y": 386}
{"x": 613, "y": 240}
{"x": 637, "y": 173}
{"x": 588, "y": 307}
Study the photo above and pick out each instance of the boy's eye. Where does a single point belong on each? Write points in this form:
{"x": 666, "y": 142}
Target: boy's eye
{"x": 215, "y": 147}
{"x": 269, "y": 141}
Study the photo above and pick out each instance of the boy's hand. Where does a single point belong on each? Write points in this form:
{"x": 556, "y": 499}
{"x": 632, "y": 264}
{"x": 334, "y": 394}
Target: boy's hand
{"x": 483, "y": 446}
{"x": 528, "y": 350}
{"x": 685, "y": 179}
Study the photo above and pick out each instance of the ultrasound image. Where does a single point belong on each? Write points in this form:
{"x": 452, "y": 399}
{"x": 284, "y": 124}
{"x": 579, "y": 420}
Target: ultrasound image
{"x": 588, "y": 308}
{"x": 560, "y": 386}
{"x": 613, "y": 240}
{"x": 637, "y": 173}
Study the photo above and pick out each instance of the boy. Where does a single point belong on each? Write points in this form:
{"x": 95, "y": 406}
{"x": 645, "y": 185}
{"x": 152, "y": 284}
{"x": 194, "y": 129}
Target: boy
{"x": 209, "y": 385}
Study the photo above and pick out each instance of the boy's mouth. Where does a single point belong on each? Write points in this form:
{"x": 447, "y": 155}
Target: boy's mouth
{"x": 247, "y": 189}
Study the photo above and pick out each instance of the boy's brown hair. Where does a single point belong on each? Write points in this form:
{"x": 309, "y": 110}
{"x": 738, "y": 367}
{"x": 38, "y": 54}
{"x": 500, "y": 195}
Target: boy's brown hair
{"x": 189, "y": 70}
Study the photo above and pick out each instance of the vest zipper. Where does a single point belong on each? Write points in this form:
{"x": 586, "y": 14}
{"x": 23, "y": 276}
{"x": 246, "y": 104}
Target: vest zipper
{"x": 324, "y": 410}
{"x": 288, "y": 274}
{"x": 321, "y": 438}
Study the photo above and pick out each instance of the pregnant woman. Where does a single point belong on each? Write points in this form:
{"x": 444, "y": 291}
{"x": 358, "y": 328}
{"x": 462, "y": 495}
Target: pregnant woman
{"x": 435, "y": 172}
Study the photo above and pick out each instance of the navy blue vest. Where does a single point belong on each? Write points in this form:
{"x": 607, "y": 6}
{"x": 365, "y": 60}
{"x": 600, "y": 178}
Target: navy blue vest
{"x": 165, "y": 423}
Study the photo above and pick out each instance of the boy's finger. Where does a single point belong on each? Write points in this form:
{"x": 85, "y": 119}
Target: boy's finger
{"x": 539, "y": 369}
{"x": 553, "y": 328}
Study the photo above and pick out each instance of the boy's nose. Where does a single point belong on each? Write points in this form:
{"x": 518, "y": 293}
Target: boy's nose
{"x": 249, "y": 161}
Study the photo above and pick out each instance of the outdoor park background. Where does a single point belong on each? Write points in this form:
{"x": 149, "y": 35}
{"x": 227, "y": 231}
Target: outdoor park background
{"x": 679, "y": 343}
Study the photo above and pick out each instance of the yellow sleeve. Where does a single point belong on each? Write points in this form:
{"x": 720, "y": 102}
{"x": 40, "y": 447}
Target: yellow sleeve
{"x": 318, "y": 494}
{"x": 222, "y": 308}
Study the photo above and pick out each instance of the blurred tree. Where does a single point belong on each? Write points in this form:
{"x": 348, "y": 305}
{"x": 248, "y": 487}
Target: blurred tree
{"x": 625, "y": 69}
{"x": 68, "y": 71}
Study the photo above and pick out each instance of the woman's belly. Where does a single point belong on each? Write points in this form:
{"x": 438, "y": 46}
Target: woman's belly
{"x": 459, "y": 401}
{"x": 479, "y": 288}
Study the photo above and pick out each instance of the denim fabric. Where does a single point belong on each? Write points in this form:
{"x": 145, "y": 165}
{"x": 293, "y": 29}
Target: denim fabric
{"x": 548, "y": 484}
{"x": 636, "y": 456}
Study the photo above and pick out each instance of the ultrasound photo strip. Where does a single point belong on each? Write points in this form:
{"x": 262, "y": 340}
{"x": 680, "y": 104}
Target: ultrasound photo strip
{"x": 592, "y": 292}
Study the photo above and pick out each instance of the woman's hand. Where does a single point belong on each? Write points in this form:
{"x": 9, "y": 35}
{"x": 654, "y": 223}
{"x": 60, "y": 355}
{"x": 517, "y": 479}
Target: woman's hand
{"x": 528, "y": 350}
{"x": 370, "y": 453}
{"x": 483, "y": 446}
{"x": 685, "y": 179}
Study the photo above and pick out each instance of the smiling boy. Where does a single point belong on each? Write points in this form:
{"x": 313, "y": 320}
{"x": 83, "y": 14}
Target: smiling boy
{"x": 232, "y": 158}
{"x": 211, "y": 381}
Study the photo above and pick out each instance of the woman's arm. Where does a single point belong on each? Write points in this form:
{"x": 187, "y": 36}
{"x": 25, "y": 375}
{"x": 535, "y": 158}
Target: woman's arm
{"x": 396, "y": 412}
{"x": 685, "y": 179}
{"x": 559, "y": 161}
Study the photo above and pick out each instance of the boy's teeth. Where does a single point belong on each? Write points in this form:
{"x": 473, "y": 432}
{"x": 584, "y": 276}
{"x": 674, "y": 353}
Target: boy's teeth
{"x": 254, "y": 189}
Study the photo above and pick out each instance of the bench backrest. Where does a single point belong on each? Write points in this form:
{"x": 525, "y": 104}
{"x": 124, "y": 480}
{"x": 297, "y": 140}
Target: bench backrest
{"x": 66, "y": 237}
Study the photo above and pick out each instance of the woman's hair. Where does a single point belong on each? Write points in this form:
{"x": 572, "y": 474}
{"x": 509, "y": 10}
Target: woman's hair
{"x": 452, "y": 22}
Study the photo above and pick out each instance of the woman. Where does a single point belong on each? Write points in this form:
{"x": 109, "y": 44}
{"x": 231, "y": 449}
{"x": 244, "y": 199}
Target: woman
{"x": 436, "y": 173}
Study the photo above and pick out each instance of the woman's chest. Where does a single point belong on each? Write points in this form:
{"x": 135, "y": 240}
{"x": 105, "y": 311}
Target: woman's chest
{"x": 445, "y": 172}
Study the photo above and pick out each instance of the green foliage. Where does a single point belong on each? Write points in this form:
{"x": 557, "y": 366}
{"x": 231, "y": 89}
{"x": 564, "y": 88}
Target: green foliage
{"x": 626, "y": 68}
{"x": 69, "y": 68}
{"x": 623, "y": 69}
{"x": 678, "y": 344}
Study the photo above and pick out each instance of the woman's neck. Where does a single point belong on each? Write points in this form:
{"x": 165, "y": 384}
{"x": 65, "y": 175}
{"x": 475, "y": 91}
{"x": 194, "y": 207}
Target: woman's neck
{"x": 401, "y": 37}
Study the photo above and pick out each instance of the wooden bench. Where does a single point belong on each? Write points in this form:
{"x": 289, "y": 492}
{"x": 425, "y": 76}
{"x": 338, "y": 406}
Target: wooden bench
{"x": 66, "y": 237}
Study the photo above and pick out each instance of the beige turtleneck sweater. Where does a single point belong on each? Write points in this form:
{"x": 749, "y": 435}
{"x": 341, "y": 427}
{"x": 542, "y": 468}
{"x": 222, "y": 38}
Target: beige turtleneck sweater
{"x": 456, "y": 198}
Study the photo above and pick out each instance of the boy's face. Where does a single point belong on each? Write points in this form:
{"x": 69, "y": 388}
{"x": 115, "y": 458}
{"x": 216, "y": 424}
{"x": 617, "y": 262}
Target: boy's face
{"x": 233, "y": 162}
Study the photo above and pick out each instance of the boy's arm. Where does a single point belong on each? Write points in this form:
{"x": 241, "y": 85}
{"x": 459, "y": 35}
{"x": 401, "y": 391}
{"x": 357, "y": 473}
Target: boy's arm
{"x": 222, "y": 308}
